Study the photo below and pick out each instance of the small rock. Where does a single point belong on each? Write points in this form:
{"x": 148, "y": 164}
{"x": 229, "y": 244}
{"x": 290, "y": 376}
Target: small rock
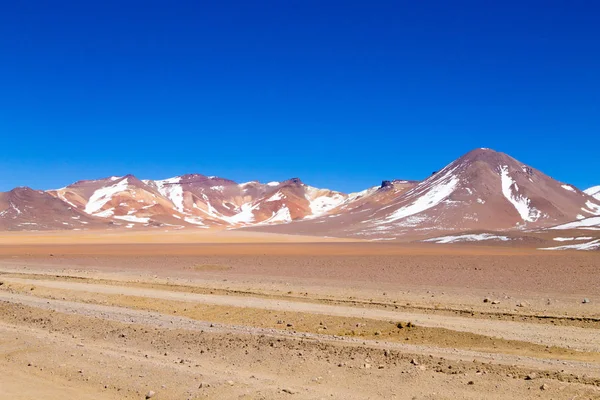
{"x": 486, "y": 300}
{"x": 470, "y": 383}
{"x": 414, "y": 362}
{"x": 585, "y": 301}
{"x": 150, "y": 394}
{"x": 203, "y": 385}
{"x": 288, "y": 391}
{"x": 230, "y": 383}
{"x": 531, "y": 376}
{"x": 544, "y": 387}
{"x": 496, "y": 302}
{"x": 289, "y": 325}
{"x": 367, "y": 365}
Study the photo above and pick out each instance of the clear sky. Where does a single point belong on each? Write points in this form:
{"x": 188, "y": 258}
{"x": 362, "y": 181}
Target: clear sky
{"x": 341, "y": 94}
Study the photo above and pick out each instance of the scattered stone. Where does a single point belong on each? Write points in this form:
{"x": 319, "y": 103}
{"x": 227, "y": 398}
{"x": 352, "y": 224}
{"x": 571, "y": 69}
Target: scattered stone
{"x": 289, "y": 325}
{"x": 422, "y": 367}
{"x": 386, "y": 352}
{"x": 377, "y": 333}
{"x": 586, "y": 300}
{"x": 531, "y": 376}
{"x": 496, "y": 302}
{"x": 486, "y": 300}
{"x": 367, "y": 365}
{"x": 544, "y": 387}
{"x": 203, "y": 385}
{"x": 381, "y": 366}
{"x": 230, "y": 383}
{"x": 414, "y": 362}
{"x": 288, "y": 391}
{"x": 470, "y": 383}
{"x": 150, "y": 394}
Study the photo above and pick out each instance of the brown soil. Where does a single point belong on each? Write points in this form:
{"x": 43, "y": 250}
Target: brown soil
{"x": 210, "y": 320}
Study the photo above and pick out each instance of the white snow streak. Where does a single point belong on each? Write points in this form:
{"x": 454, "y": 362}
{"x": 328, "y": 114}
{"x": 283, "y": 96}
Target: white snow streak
{"x": 131, "y": 218}
{"x": 593, "y": 245}
{"x": 594, "y": 191}
{"x": 428, "y": 194}
{"x": 466, "y": 238}
{"x": 520, "y": 202}
{"x": 592, "y": 223}
{"x": 172, "y": 190}
{"x": 275, "y": 197}
{"x": 102, "y": 196}
{"x": 568, "y": 239}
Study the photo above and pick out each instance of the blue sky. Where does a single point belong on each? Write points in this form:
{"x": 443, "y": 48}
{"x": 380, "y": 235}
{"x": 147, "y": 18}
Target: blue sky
{"x": 341, "y": 94}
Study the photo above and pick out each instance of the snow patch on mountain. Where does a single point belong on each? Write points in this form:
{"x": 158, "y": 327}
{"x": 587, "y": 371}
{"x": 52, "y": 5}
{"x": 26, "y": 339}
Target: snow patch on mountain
{"x": 568, "y": 187}
{"x": 467, "y": 238}
{"x": 277, "y": 196}
{"x": 321, "y": 201}
{"x": 429, "y": 193}
{"x": 568, "y": 239}
{"x": 594, "y": 191}
{"x": 592, "y": 223}
{"x": 131, "y": 218}
{"x": 520, "y": 202}
{"x": 172, "y": 190}
{"x": 593, "y": 245}
{"x": 280, "y": 216}
{"x": 593, "y": 208}
{"x": 103, "y": 195}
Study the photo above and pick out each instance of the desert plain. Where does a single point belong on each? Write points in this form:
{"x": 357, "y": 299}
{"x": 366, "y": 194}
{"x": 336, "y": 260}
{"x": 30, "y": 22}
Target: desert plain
{"x": 248, "y": 315}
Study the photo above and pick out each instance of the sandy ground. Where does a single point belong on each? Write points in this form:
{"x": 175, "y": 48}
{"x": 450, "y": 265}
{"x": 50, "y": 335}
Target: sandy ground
{"x": 244, "y": 319}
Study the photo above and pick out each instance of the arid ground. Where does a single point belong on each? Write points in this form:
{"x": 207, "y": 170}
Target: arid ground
{"x": 247, "y": 315}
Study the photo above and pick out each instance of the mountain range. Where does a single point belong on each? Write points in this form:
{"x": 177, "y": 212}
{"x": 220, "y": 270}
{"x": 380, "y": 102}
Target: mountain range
{"x": 482, "y": 190}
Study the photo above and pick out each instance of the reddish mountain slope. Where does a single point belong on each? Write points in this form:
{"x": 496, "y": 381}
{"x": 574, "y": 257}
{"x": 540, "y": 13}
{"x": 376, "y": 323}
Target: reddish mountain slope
{"x": 27, "y": 209}
{"x": 483, "y": 190}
